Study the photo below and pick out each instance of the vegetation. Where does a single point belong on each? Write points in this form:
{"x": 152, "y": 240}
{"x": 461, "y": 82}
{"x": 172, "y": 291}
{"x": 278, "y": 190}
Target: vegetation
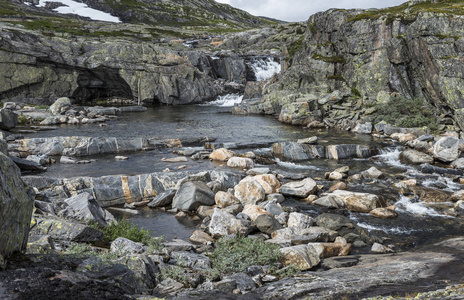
{"x": 294, "y": 47}
{"x": 329, "y": 59}
{"x": 405, "y": 112}
{"x": 236, "y": 254}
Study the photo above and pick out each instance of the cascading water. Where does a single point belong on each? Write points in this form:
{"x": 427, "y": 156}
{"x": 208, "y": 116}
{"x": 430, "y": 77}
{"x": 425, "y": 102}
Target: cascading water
{"x": 226, "y": 100}
{"x": 265, "y": 68}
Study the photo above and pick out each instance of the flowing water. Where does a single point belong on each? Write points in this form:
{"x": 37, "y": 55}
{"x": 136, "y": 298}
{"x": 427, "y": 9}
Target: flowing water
{"x": 416, "y": 224}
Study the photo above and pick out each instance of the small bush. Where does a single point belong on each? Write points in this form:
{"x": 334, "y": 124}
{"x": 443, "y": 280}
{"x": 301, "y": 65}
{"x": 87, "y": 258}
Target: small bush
{"x": 176, "y": 273}
{"x": 236, "y": 254}
{"x": 404, "y": 112}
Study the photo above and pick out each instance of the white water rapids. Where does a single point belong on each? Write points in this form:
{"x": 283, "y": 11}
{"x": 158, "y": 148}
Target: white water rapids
{"x": 226, "y": 100}
{"x": 265, "y": 68}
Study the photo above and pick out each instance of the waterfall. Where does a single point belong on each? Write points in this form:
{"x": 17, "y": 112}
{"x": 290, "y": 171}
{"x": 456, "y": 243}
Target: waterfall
{"x": 226, "y": 100}
{"x": 265, "y": 68}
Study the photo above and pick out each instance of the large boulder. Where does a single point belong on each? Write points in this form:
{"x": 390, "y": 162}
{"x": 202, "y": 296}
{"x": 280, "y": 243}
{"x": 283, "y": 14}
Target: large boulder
{"x": 447, "y": 149}
{"x": 83, "y": 207}
{"x": 303, "y": 257}
{"x": 192, "y": 195}
{"x": 224, "y": 199}
{"x": 16, "y": 205}
{"x": 8, "y": 119}
{"x": 298, "y": 113}
{"x": 294, "y": 151}
{"x": 269, "y": 182}
{"x": 221, "y": 154}
{"x": 223, "y": 223}
{"x": 240, "y": 162}
{"x": 358, "y": 202}
{"x": 301, "y": 189}
{"x": 415, "y": 157}
{"x": 57, "y": 107}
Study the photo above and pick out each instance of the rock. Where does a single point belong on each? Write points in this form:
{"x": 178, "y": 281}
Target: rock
{"x": 269, "y": 182}
{"x": 190, "y": 260}
{"x": 254, "y": 211}
{"x": 299, "y": 221}
{"x": 178, "y": 245}
{"x": 311, "y": 140}
{"x": 299, "y": 189}
{"x": 458, "y": 164}
{"x": 277, "y": 198}
{"x": 83, "y": 207}
{"x": 16, "y": 205}
{"x": 68, "y": 160}
{"x": 42, "y": 160}
{"x": 303, "y": 257}
{"x": 8, "y": 119}
{"x": 338, "y": 186}
{"x": 415, "y": 157}
{"x": 365, "y": 128}
{"x": 459, "y": 208}
{"x": 28, "y": 165}
{"x": 457, "y": 196}
{"x": 191, "y": 195}
{"x": 40, "y": 244}
{"x": 178, "y": 159}
{"x": 430, "y": 195}
{"x": 169, "y": 286}
{"x": 222, "y": 154}
{"x": 343, "y": 151}
{"x": 380, "y": 249}
{"x": 258, "y": 171}
{"x": 334, "y": 222}
{"x": 383, "y": 213}
{"x": 343, "y": 170}
{"x": 240, "y": 162}
{"x": 249, "y": 191}
{"x": 273, "y": 208}
{"x": 297, "y": 152}
{"x": 123, "y": 246}
{"x": 163, "y": 199}
{"x": 267, "y": 224}
{"x": 200, "y": 237}
{"x": 65, "y": 230}
{"x": 427, "y": 168}
{"x": 358, "y": 202}
{"x": 223, "y": 223}
{"x": 224, "y": 199}
{"x": 335, "y": 176}
{"x": 403, "y": 137}
{"x": 243, "y": 282}
{"x": 447, "y": 149}
{"x": 372, "y": 173}
{"x": 298, "y": 113}
{"x": 339, "y": 262}
{"x": 326, "y": 250}
{"x": 60, "y": 105}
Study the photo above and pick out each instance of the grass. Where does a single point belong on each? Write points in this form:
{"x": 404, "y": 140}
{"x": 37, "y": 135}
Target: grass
{"x": 329, "y": 59}
{"x": 405, "y": 112}
{"x": 236, "y": 254}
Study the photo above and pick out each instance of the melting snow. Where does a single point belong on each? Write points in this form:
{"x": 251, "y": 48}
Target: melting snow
{"x": 81, "y": 9}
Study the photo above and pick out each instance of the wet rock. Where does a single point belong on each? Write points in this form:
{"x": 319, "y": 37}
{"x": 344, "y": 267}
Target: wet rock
{"x": 303, "y": 257}
{"x": 42, "y": 160}
{"x": 8, "y": 119}
{"x": 299, "y": 221}
{"x": 358, "y": 202}
{"x": 457, "y": 196}
{"x": 335, "y": 175}
{"x": 191, "y": 195}
{"x": 447, "y": 149}
{"x": 383, "y": 213}
{"x": 298, "y": 113}
{"x": 343, "y": 151}
{"x": 65, "y": 230}
{"x": 297, "y": 152}
{"x": 267, "y": 224}
{"x": 311, "y": 140}
{"x": 240, "y": 162}
{"x": 133, "y": 108}
{"x": 254, "y": 211}
{"x": 223, "y": 223}
{"x": 28, "y": 165}
{"x": 430, "y": 195}
{"x": 459, "y": 208}
{"x": 249, "y": 191}
{"x": 224, "y": 199}
{"x": 338, "y": 186}
{"x": 372, "y": 173}
{"x": 16, "y": 205}
{"x": 380, "y": 249}
{"x": 334, "y": 222}
{"x": 60, "y": 105}
{"x": 269, "y": 182}
{"x": 258, "y": 171}
{"x": 163, "y": 199}
{"x": 200, "y": 237}
{"x": 123, "y": 246}
{"x": 222, "y": 154}
{"x": 458, "y": 164}
{"x": 83, "y": 207}
{"x": 410, "y": 156}
{"x": 427, "y": 168}
{"x": 299, "y": 189}
{"x": 175, "y": 159}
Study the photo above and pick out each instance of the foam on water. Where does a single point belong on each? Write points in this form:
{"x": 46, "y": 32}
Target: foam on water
{"x": 406, "y": 205}
{"x": 290, "y": 165}
{"x": 392, "y": 230}
{"x": 81, "y": 9}
{"x": 450, "y": 185}
{"x": 265, "y": 68}
{"x": 226, "y": 100}
{"x": 391, "y": 156}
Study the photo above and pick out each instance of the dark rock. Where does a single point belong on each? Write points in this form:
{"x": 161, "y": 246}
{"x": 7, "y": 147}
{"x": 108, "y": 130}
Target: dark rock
{"x": 163, "y": 199}
{"x": 83, "y": 207}
{"x": 427, "y": 168}
{"x": 27, "y": 165}
{"x": 297, "y": 152}
{"x": 339, "y": 262}
{"x": 8, "y": 119}
{"x": 267, "y": 224}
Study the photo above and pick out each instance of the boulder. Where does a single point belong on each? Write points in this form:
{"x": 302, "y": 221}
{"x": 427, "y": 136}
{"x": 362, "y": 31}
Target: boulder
{"x": 458, "y": 164}
{"x": 447, "y": 149}
{"x": 365, "y": 128}
{"x": 254, "y": 211}
{"x": 61, "y": 103}
{"x": 240, "y": 162}
{"x": 430, "y": 195}
{"x": 223, "y": 223}
{"x": 16, "y": 205}
{"x": 372, "y": 173}
{"x": 201, "y": 237}
{"x": 40, "y": 244}
{"x": 193, "y": 194}
{"x": 297, "y": 152}
{"x": 222, "y": 154}
{"x": 83, "y": 207}
{"x": 65, "y": 230}
{"x": 163, "y": 199}
{"x": 303, "y": 257}
{"x": 8, "y": 119}
{"x": 380, "y": 249}
{"x": 123, "y": 246}
{"x": 27, "y": 165}
{"x": 191, "y": 260}
{"x": 273, "y": 208}
{"x": 403, "y": 137}
{"x": 311, "y": 140}
{"x": 224, "y": 199}
{"x": 343, "y": 151}
{"x": 249, "y": 191}
{"x": 269, "y": 182}
{"x": 326, "y": 250}
{"x": 358, "y": 202}
{"x": 410, "y": 156}
{"x": 297, "y": 113}
{"x": 299, "y": 189}
{"x": 338, "y": 186}
{"x": 383, "y": 213}
{"x": 267, "y": 224}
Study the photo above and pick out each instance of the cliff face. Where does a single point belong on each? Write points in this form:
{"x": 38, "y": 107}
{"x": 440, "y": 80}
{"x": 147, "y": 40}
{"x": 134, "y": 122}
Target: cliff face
{"x": 416, "y": 50}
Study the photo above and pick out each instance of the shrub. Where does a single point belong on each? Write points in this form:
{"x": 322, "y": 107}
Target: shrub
{"x": 236, "y": 254}
{"x": 404, "y": 112}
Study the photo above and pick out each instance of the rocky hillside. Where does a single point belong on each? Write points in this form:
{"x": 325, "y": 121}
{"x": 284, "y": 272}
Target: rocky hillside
{"x": 367, "y": 56}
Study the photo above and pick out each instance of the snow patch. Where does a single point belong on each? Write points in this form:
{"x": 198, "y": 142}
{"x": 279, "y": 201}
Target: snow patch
{"x": 81, "y": 9}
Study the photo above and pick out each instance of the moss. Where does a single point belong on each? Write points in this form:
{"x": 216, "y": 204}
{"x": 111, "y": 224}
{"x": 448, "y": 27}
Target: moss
{"x": 336, "y": 77}
{"x": 294, "y": 47}
{"x": 312, "y": 27}
{"x": 447, "y": 36}
{"x": 355, "y": 92}
{"x": 329, "y": 59}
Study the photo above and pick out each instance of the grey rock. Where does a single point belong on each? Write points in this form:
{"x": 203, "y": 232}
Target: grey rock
{"x": 223, "y": 223}
{"x": 193, "y": 194}
{"x": 163, "y": 199}
{"x": 83, "y": 207}
{"x": 267, "y": 224}
{"x": 415, "y": 157}
{"x": 190, "y": 260}
{"x": 297, "y": 152}
{"x": 27, "y": 165}
{"x": 365, "y": 128}
{"x": 123, "y": 246}
{"x": 178, "y": 245}
{"x": 447, "y": 149}
{"x": 299, "y": 189}
{"x": 243, "y": 281}
{"x": 65, "y": 230}
{"x": 42, "y": 160}
{"x": 343, "y": 151}
{"x": 59, "y": 105}
{"x": 427, "y": 168}
{"x": 8, "y": 119}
